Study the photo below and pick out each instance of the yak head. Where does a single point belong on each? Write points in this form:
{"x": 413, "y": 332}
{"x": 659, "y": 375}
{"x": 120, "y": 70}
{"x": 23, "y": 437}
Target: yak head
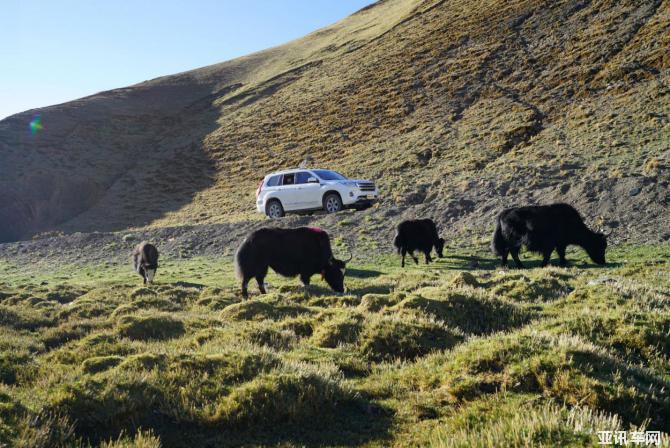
{"x": 596, "y": 247}
{"x": 333, "y": 274}
{"x": 439, "y": 246}
{"x": 149, "y": 273}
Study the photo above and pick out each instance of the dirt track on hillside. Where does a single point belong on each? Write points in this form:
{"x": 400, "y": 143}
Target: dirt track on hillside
{"x": 464, "y": 222}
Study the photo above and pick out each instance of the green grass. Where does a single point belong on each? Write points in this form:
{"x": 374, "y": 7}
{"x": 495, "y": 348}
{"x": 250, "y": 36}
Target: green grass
{"x": 441, "y": 355}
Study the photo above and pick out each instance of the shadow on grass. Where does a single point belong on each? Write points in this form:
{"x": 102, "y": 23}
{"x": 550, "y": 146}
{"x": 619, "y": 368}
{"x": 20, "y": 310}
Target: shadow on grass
{"x": 475, "y": 262}
{"x": 354, "y": 425}
{"x": 371, "y": 289}
{"x": 362, "y": 273}
{"x": 636, "y": 384}
{"x": 189, "y": 284}
{"x": 351, "y": 424}
{"x": 469, "y": 262}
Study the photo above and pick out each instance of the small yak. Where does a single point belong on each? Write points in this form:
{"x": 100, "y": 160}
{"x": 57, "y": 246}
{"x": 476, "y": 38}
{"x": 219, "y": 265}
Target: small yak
{"x": 145, "y": 261}
{"x": 418, "y": 234}
{"x": 543, "y": 228}
{"x": 303, "y": 252}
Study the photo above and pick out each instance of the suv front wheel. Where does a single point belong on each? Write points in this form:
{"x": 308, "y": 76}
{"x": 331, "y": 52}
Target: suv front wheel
{"x": 274, "y": 209}
{"x": 332, "y": 203}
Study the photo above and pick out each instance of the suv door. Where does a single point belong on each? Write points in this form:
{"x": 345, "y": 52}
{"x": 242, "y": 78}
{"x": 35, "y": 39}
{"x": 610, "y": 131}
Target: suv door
{"x": 308, "y": 190}
{"x": 287, "y": 192}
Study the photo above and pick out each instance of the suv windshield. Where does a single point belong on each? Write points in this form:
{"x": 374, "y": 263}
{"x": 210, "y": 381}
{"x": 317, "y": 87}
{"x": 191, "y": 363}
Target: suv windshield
{"x": 329, "y": 175}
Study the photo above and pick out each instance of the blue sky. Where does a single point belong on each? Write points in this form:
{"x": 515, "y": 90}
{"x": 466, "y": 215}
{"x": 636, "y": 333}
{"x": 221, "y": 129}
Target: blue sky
{"x": 56, "y": 51}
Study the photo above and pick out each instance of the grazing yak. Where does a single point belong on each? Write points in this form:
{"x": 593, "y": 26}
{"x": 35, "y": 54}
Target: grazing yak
{"x": 543, "y": 228}
{"x": 145, "y": 261}
{"x": 303, "y": 251}
{"x": 418, "y": 234}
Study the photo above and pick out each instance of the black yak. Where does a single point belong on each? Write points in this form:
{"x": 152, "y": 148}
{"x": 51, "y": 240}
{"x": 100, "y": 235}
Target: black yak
{"x": 543, "y": 228}
{"x": 418, "y": 234}
{"x": 303, "y": 251}
{"x": 145, "y": 261}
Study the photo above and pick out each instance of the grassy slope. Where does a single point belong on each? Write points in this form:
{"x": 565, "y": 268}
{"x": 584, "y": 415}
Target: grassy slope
{"x": 447, "y": 103}
{"x": 463, "y": 102}
{"x": 440, "y": 355}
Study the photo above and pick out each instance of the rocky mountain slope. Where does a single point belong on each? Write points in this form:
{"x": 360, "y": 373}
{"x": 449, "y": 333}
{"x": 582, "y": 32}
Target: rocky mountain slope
{"x": 456, "y": 108}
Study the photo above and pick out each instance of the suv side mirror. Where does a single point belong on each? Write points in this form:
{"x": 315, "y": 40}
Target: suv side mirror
{"x": 312, "y": 180}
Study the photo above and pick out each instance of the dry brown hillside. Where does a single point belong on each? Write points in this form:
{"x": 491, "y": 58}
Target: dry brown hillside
{"x": 457, "y": 108}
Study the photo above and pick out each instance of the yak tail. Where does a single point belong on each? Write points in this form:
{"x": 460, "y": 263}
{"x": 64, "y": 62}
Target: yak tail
{"x": 498, "y": 243}
{"x": 397, "y": 242}
{"x": 238, "y": 268}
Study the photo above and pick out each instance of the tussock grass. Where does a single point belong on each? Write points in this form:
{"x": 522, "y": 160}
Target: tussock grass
{"x": 341, "y": 329}
{"x": 540, "y": 357}
{"x": 145, "y": 326}
{"x": 469, "y": 310}
{"x": 539, "y": 425}
{"x": 387, "y": 338}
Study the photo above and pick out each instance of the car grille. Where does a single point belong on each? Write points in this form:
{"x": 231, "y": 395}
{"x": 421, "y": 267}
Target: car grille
{"x": 366, "y": 186}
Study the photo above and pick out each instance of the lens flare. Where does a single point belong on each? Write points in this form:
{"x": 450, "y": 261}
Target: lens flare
{"x": 36, "y": 124}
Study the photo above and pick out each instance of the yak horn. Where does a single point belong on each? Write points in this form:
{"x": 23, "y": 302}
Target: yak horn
{"x": 351, "y": 256}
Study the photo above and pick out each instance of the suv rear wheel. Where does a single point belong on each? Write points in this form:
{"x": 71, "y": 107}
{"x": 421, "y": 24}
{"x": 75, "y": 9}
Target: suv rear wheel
{"x": 274, "y": 209}
{"x": 332, "y": 203}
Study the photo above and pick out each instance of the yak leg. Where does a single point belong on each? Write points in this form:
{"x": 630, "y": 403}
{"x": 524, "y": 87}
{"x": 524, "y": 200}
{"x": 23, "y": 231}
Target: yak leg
{"x": 561, "y": 255}
{"x": 428, "y": 259}
{"x": 245, "y": 291}
{"x": 305, "y": 278}
{"x": 504, "y": 255}
{"x": 515, "y": 256}
{"x": 260, "y": 279}
{"x": 546, "y": 256}
{"x": 403, "y": 252}
{"x": 411, "y": 254}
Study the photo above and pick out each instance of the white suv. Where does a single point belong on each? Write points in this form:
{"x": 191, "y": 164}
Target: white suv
{"x": 312, "y": 189}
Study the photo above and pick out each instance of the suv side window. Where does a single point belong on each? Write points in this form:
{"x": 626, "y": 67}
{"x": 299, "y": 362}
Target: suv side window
{"x": 289, "y": 179}
{"x": 301, "y": 177}
{"x": 273, "y": 181}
